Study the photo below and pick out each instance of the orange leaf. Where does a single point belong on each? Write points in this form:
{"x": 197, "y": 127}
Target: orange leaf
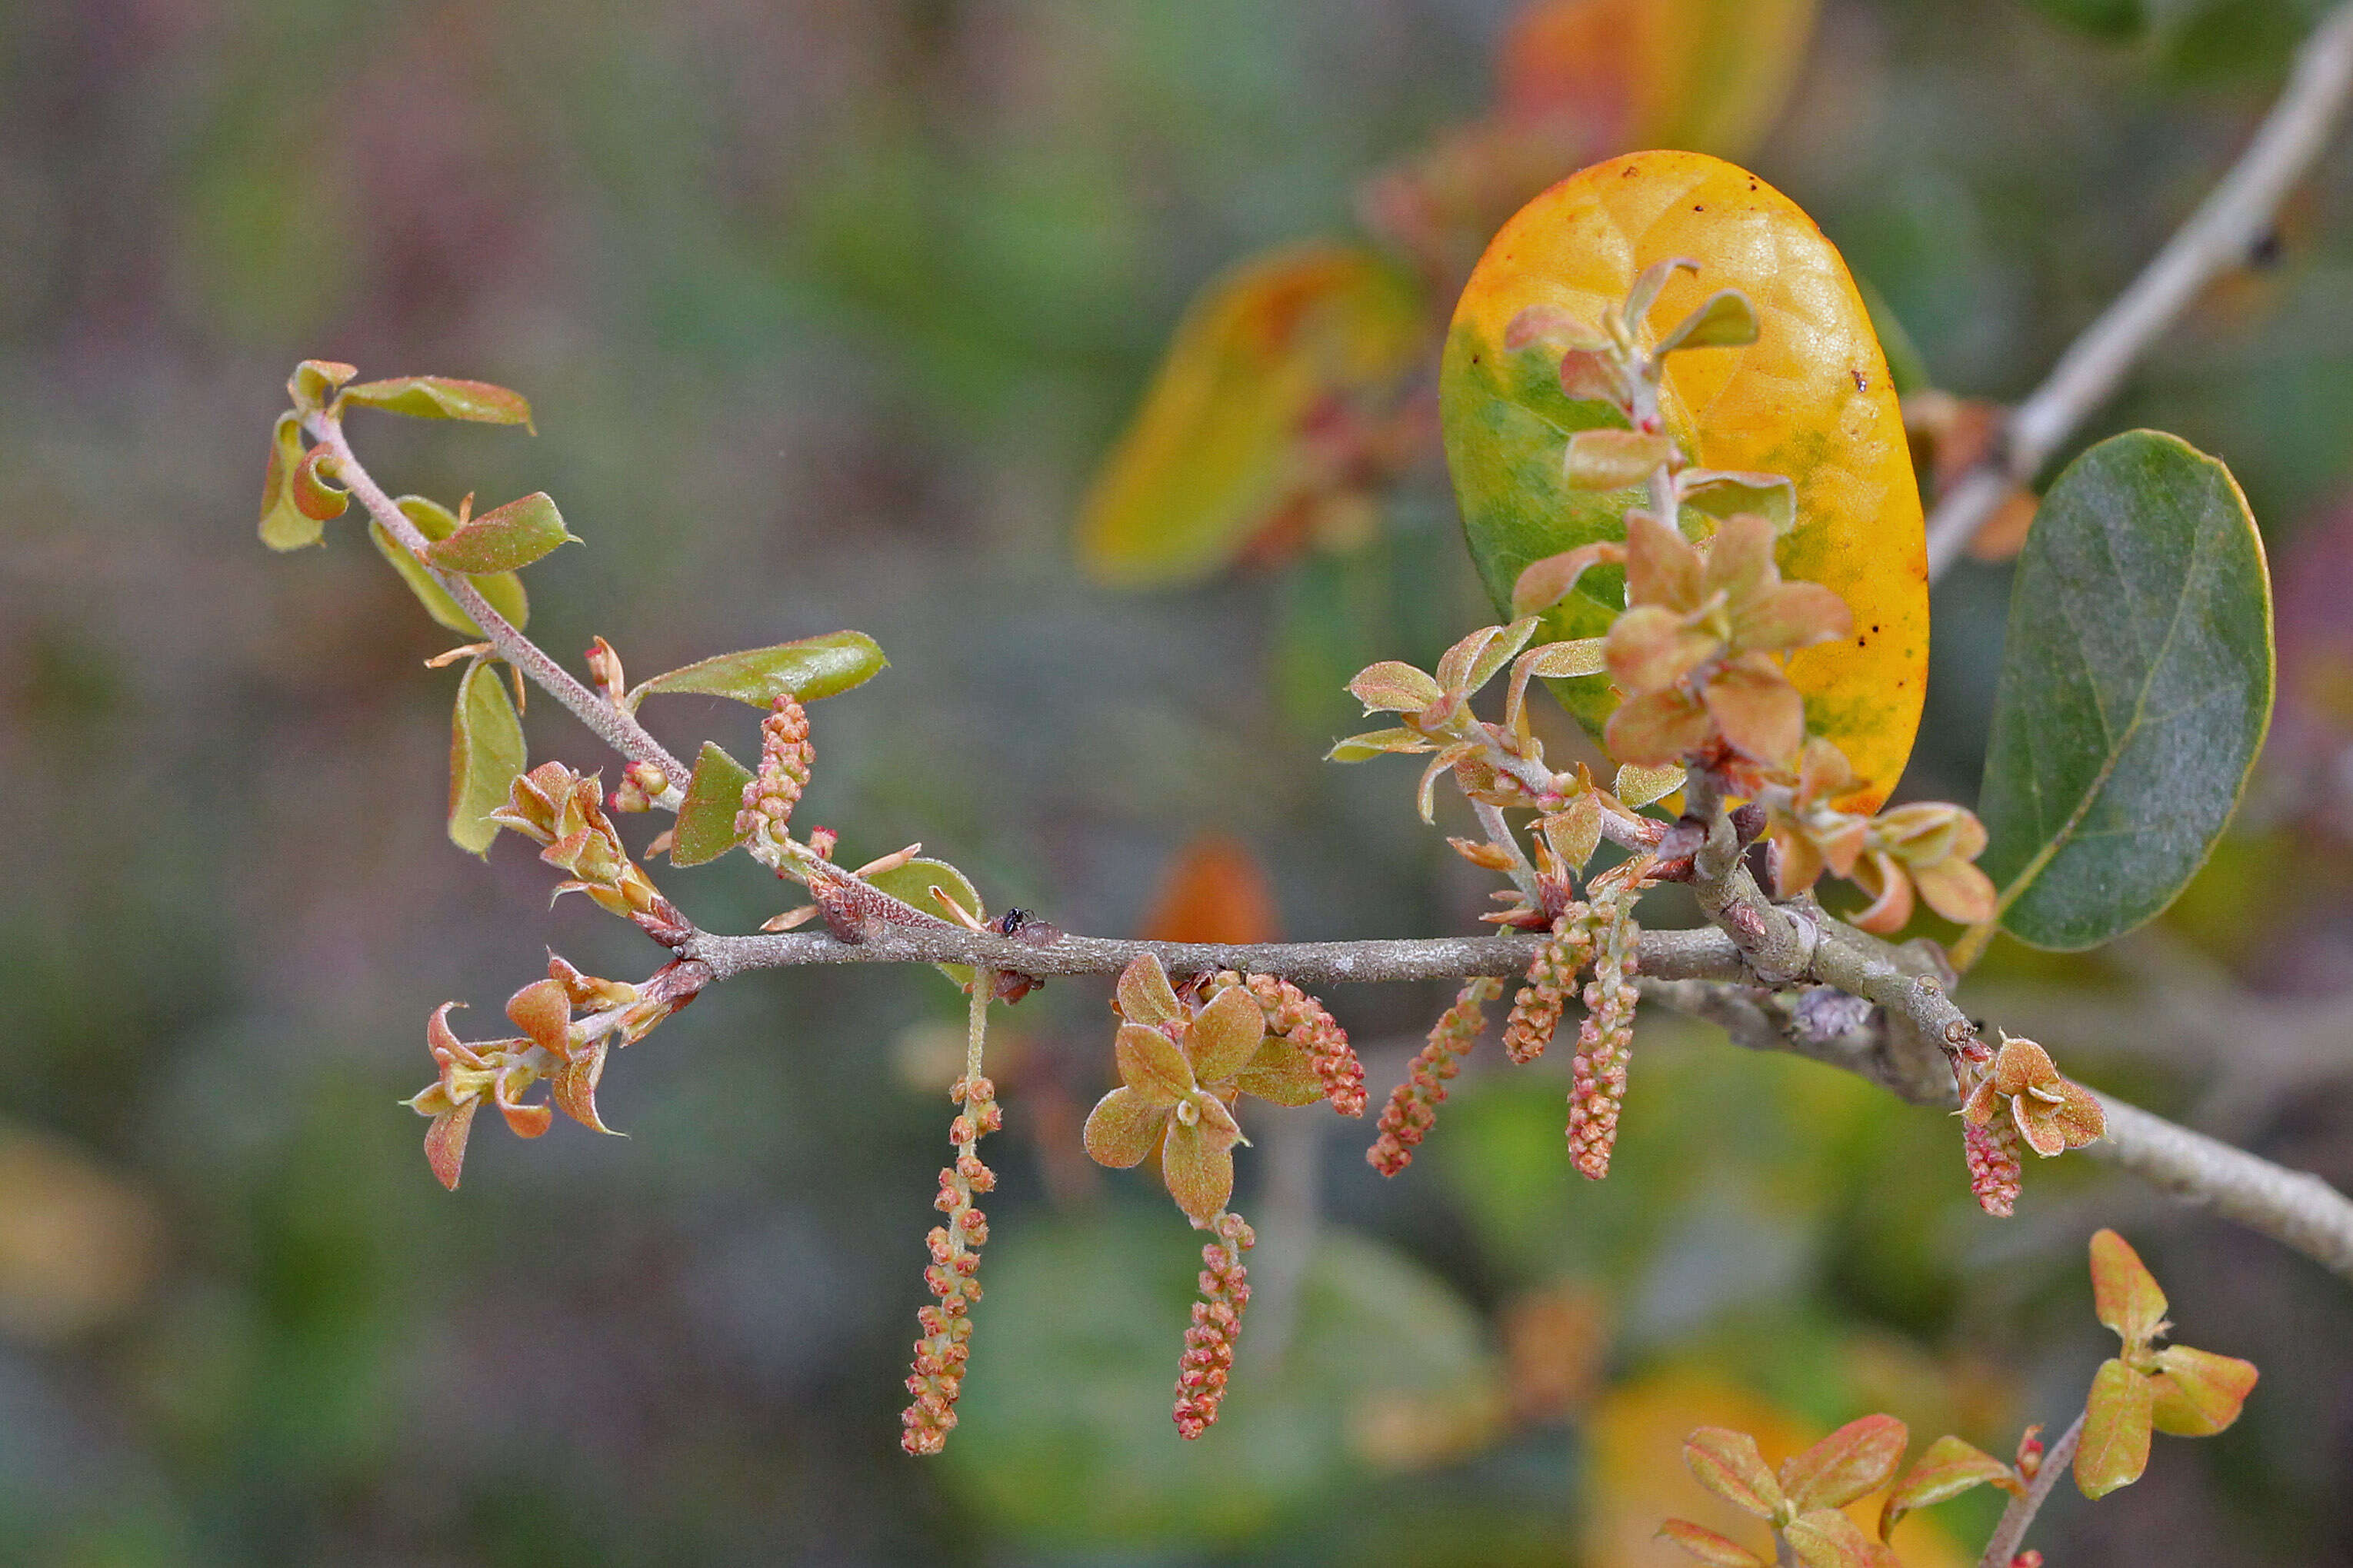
{"x": 1274, "y": 365}
{"x": 1214, "y": 891}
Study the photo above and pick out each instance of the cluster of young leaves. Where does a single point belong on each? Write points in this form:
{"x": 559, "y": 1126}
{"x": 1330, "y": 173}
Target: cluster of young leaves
{"x": 2185, "y": 1392}
{"x": 2174, "y": 1389}
{"x": 1293, "y": 392}
{"x": 301, "y": 493}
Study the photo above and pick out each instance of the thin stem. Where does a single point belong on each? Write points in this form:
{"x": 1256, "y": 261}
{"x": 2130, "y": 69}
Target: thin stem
{"x": 2219, "y": 235}
{"x": 2002, "y": 1550}
{"x": 615, "y": 727}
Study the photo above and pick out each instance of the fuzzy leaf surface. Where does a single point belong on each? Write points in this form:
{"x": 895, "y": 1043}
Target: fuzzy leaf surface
{"x": 504, "y": 539}
{"x": 442, "y": 397}
{"x": 809, "y": 668}
{"x": 2135, "y": 690}
{"x": 706, "y": 818}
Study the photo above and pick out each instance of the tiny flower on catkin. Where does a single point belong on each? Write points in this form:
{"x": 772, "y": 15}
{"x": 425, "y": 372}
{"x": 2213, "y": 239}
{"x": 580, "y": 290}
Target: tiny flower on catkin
{"x": 1209, "y": 1359}
{"x": 1604, "y": 1044}
{"x": 1413, "y": 1105}
{"x": 1995, "y": 1174}
{"x": 786, "y": 757}
{"x": 1536, "y": 1010}
{"x": 1292, "y": 1014}
{"x": 936, "y": 1378}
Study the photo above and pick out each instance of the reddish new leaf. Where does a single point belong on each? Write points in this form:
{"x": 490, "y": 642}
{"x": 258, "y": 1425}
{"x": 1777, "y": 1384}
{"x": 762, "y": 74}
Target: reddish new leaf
{"x": 1855, "y": 1460}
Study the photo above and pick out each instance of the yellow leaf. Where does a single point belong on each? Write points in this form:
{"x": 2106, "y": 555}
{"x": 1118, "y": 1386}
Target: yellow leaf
{"x": 1810, "y": 399}
{"x": 1637, "y": 1478}
{"x": 1274, "y": 365}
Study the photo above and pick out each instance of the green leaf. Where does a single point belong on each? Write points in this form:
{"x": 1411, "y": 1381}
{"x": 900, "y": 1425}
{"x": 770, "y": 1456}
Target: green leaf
{"x": 912, "y": 884}
{"x": 284, "y": 525}
{"x": 486, "y": 755}
{"x": 810, "y": 669}
{"x": 505, "y": 538}
{"x": 2136, "y": 689}
{"x": 1373, "y": 743}
{"x": 314, "y": 380}
{"x": 502, "y": 589}
{"x": 443, "y": 397}
{"x": 2114, "y": 1447}
{"x": 706, "y": 819}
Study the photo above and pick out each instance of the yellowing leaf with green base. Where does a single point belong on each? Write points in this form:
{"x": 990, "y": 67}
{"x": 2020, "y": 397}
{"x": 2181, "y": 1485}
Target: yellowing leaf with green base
{"x": 486, "y": 753}
{"x": 1811, "y": 400}
{"x": 1222, "y": 443}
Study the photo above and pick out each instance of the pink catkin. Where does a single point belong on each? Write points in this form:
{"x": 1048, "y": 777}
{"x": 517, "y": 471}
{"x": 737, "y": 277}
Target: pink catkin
{"x": 1994, "y": 1166}
{"x": 1413, "y": 1105}
{"x": 1604, "y": 1044}
{"x": 1536, "y": 1010}
{"x": 937, "y": 1376}
{"x": 786, "y": 757}
{"x": 1297, "y": 1017}
{"x": 1209, "y": 1357}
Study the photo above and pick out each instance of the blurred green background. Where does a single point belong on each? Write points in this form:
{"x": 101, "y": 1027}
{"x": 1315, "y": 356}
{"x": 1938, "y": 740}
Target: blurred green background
{"x": 827, "y": 310}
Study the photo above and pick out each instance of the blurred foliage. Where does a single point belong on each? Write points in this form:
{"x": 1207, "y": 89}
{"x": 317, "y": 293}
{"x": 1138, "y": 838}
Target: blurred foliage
{"x": 826, "y": 312}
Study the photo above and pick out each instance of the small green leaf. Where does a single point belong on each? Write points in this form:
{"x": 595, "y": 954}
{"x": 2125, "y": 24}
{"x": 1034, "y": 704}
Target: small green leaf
{"x": 314, "y": 380}
{"x": 315, "y": 493}
{"x": 486, "y": 755}
{"x": 284, "y": 525}
{"x": 443, "y": 397}
{"x": 503, "y": 538}
{"x": 2114, "y": 1447}
{"x": 912, "y": 884}
{"x": 2136, "y": 689}
{"x": 1724, "y": 319}
{"x": 1373, "y": 743}
{"x": 1949, "y": 1468}
{"x": 706, "y": 819}
{"x": 810, "y": 669}
{"x": 1855, "y": 1460}
{"x": 503, "y": 589}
